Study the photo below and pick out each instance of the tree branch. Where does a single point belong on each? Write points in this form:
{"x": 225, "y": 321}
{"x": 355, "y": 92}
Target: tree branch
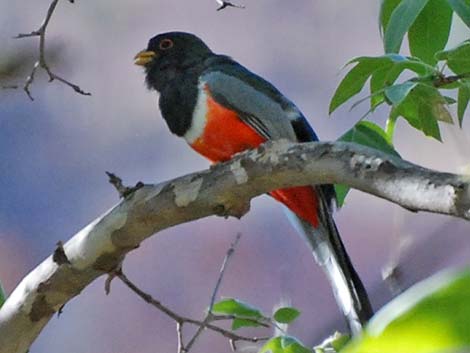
{"x": 41, "y": 62}
{"x": 181, "y": 320}
{"x": 226, "y": 189}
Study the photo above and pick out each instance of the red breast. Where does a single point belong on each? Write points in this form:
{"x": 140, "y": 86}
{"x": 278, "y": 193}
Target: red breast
{"x": 218, "y": 133}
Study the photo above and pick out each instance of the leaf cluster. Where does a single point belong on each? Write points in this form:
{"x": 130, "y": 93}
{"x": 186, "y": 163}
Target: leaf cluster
{"x": 247, "y": 315}
{"x": 418, "y": 88}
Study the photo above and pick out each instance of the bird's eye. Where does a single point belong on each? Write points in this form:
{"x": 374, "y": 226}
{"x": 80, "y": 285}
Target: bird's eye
{"x": 166, "y": 44}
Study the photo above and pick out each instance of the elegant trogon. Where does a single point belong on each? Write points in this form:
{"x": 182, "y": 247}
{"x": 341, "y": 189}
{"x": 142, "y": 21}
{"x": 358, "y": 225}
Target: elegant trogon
{"x": 220, "y": 108}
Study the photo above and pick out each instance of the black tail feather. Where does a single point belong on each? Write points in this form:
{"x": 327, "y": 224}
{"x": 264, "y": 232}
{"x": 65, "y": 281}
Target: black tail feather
{"x": 330, "y": 253}
{"x": 362, "y": 304}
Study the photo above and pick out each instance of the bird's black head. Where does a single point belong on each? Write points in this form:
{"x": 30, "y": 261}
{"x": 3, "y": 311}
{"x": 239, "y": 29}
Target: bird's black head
{"x": 169, "y": 54}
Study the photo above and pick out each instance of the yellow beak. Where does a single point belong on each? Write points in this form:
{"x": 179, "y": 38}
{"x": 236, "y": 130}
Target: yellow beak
{"x": 144, "y": 57}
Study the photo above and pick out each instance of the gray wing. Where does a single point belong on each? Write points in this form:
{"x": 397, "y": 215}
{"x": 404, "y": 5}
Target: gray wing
{"x": 256, "y": 101}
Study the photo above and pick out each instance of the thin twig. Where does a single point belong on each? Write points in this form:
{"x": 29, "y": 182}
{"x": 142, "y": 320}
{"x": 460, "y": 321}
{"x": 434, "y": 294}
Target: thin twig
{"x": 223, "y": 4}
{"x": 233, "y": 345}
{"x": 30, "y": 79}
{"x": 229, "y": 254}
{"x": 439, "y": 80}
{"x": 209, "y": 316}
{"x": 206, "y": 323}
{"x": 179, "y": 330}
{"x": 178, "y": 318}
{"x": 198, "y": 333}
{"x": 442, "y": 80}
{"x": 149, "y": 299}
{"x": 123, "y": 190}
{"x": 41, "y": 62}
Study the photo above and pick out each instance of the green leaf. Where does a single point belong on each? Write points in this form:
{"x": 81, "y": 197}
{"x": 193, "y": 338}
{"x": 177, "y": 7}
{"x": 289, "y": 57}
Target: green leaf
{"x": 397, "y": 93}
{"x": 384, "y": 70}
{"x": 412, "y": 64}
{"x": 458, "y": 59}
{"x": 286, "y": 315}
{"x": 377, "y": 82}
{"x": 403, "y": 16}
{"x": 2, "y": 295}
{"x": 334, "y": 343}
{"x": 432, "y": 316}
{"x": 237, "y": 308}
{"x": 238, "y": 323}
{"x": 340, "y": 341}
{"x": 388, "y": 74}
{"x": 463, "y": 98}
{"x": 284, "y": 344}
{"x": 450, "y": 100}
{"x": 272, "y": 346}
{"x": 292, "y": 344}
{"x": 386, "y": 10}
{"x": 352, "y": 83}
{"x": 462, "y": 8}
{"x": 422, "y": 108}
{"x": 430, "y": 31}
{"x": 341, "y": 191}
{"x": 441, "y": 111}
{"x": 368, "y": 134}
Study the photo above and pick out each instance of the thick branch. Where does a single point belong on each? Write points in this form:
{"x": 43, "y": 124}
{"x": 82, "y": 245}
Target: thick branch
{"x": 226, "y": 189}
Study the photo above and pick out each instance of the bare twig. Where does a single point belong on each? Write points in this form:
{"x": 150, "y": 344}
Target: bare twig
{"x": 112, "y": 275}
{"x": 202, "y": 325}
{"x": 223, "y": 4}
{"x": 30, "y": 79}
{"x": 123, "y": 190}
{"x": 198, "y": 333}
{"x": 229, "y": 254}
{"x": 233, "y": 345}
{"x": 41, "y": 62}
{"x": 182, "y": 319}
{"x": 59, "y": 256}
{"x": 148, "y": 298}
{"x": 210, "y": 317}
{"x": 179, "y": 330}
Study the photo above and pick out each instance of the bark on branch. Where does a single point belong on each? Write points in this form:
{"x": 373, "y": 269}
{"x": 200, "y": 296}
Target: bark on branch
{"x": 226, "y": 190}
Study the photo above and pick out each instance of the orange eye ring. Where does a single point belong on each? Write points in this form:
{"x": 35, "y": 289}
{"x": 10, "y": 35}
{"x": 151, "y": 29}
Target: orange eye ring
{"x": 165, "y": 44}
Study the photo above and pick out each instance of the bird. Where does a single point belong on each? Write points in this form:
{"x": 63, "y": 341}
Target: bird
{"x": 221, "y": 108}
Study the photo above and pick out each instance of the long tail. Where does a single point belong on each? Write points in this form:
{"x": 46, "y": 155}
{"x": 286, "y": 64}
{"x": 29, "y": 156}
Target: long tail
{"x": 330, "y": 254}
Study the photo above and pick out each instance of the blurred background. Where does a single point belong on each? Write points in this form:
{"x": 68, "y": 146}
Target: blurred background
{"x": 54, "y": 152}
